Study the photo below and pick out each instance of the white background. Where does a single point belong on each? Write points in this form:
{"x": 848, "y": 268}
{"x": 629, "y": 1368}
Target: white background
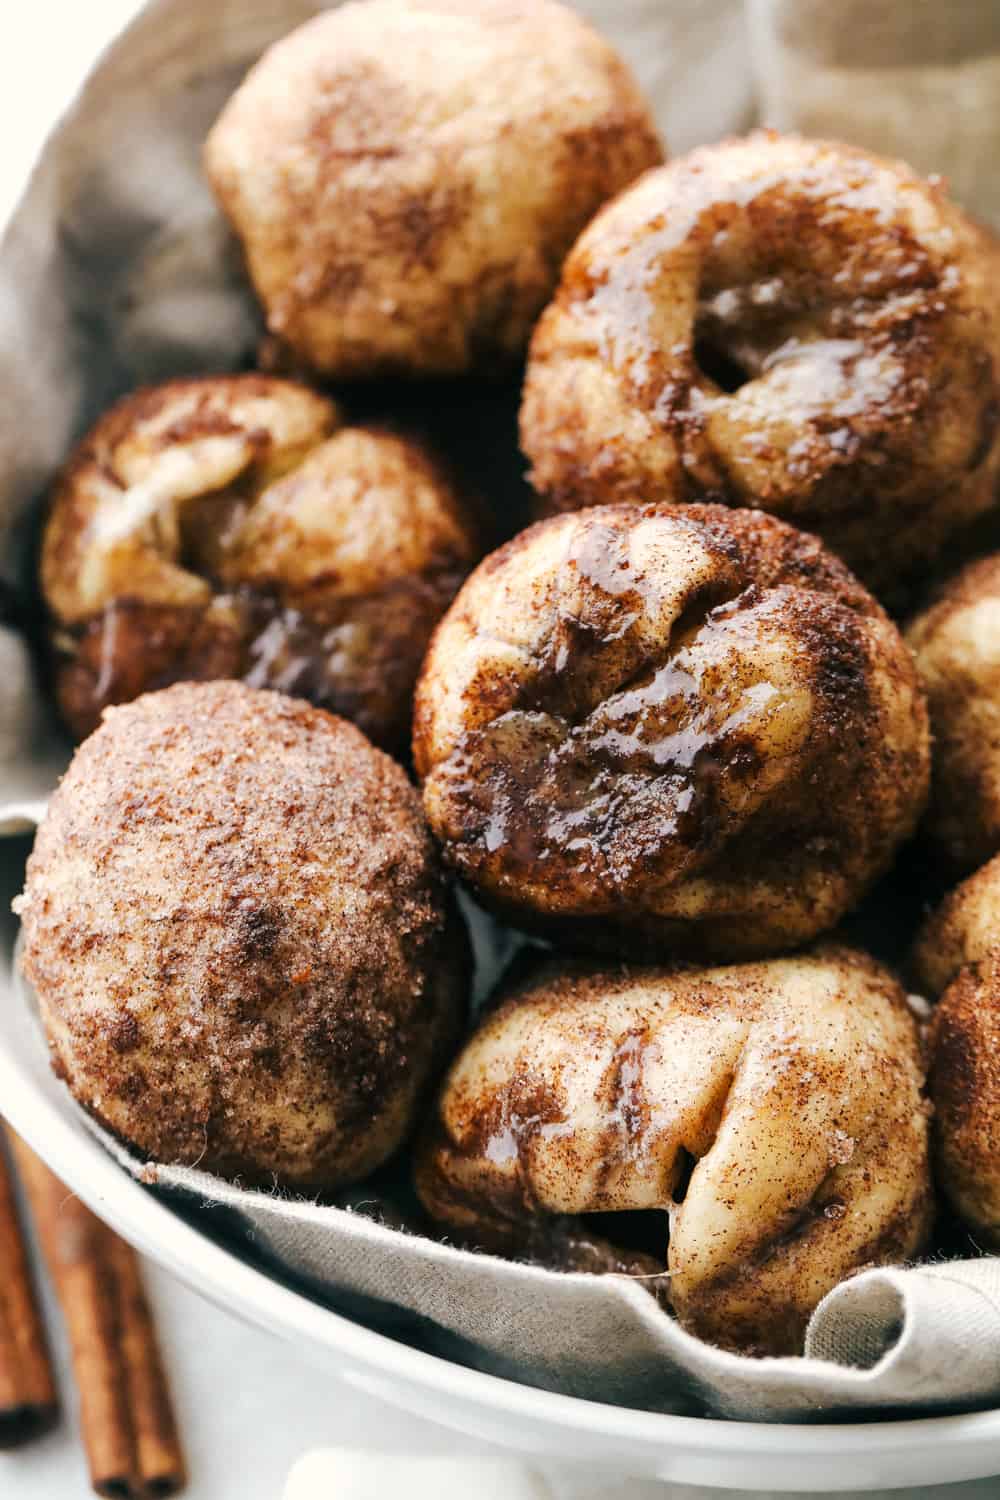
{"x": 248, "y": 1405}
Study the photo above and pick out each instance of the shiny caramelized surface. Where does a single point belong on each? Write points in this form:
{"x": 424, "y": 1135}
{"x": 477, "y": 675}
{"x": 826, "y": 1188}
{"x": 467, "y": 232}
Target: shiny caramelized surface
{"x": 779, "y": 322}
{"x": 686, "y": 727}
{"x": 234, "y": 527}
{"x": 774, "y": 1109}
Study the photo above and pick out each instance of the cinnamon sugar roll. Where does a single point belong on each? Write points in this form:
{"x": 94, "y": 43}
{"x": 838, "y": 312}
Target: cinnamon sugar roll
{"x": 234, "y": 526}
{"x": 786, "y": 323}
{"x": 772, "y": 1110}
{"x": 671, "y": 729}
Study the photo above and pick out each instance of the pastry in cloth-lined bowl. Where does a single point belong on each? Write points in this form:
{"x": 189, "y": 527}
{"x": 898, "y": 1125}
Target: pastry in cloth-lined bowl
{"x": 406, "y": 176}
{"x": 778, "y": 322}
{"x": 773, "y": 1109}
{"x": 233, "y": 526}
{"x": 677, "y": 728}
{"x": 956, "y": 642}
{"x": 957, "y": 957}
{"x": 240, "y": 939}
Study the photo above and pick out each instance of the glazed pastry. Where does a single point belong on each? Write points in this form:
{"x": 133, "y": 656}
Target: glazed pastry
{"x": 957, "y": 647}
{"x": 773, "y": 1109}
{"x": 406, "y": 176}
{"x": 669, "y": 729}
{"x": 778, "y": 322}
{"x": 957, "y": 956}
{"x": 239, "y": 937}
{"x": 234, "y": 527}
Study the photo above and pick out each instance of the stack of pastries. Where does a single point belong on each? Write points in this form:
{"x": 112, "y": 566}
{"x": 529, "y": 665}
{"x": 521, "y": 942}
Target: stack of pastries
{"x": 674, "y": 732}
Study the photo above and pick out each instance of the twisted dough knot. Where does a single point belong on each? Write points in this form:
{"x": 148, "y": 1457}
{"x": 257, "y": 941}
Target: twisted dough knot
{"x": 689, "y": 725}
{"x": 791, "y": 1091}
{"x": 784, "y": 323}
{"x": 234, "y": 527}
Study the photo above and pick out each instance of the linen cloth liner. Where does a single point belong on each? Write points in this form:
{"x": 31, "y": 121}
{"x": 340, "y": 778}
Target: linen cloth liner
{"x": 115, "y": 269}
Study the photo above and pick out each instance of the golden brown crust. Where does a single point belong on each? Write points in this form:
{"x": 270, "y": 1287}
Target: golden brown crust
{"x": 780, "y": 322}
{"x": 956, "y": 643}
{"x": 683, "y": 728}
{"x": 773, "y": 1109}
{"x": 238, "y": 934}
{"x": 406, "y": 176}
{"x": 231, "y": 526}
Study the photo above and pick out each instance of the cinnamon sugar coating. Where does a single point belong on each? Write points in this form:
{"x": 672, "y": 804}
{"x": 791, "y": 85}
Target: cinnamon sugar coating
{"x": 233, "y": 526}
{"x": 774, "y": 1109}
{"x": 957, "y": 957}
{"x": 787, "y": 323}
{"x": 406, "y": 176}
{"x": 669, "y": 729}
{"x": 239, "y": 937}
{"x": 956, "y": 642}
{"x": 965, "y": 1087}
{"x": 962, "y": 931}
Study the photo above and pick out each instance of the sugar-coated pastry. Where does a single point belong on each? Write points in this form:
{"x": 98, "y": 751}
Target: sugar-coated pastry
{"x": 239, "y": 937}
{"x": 233, "y": 526}
{"x": 677, "y": 729}
{"x": 406, "y": 176}
{"x": 957, "y": 957}
{"x": 773, "y": 1109}
{"x": 956, "y": 642}
{"x": 780, "y": 322}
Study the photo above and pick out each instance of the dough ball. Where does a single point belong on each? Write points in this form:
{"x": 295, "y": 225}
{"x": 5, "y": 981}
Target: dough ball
{"x": 406, "y": 176}
{"x": 773, "y": 1109}
{"x": 687, "y": 729}
{"x": 957, "y": 647}
{"x": 957, "y": 956}
{"x": 239, "y": 937}
{"x": 962, "y": 931}
{"x": 780, "y": 322}
{"x": 232, "y": 526}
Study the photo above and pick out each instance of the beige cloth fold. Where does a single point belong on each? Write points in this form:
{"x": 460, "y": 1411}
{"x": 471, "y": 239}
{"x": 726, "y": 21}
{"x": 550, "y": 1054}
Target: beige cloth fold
{"x": 900, "y": 1340}
{"x": 115, "y": 269}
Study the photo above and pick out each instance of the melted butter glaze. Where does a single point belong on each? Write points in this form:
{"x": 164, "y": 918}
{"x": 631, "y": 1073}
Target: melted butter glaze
{"x": 232, "y": 527}
{"x": 652, "y": 765}
{"x": 849, "y": 313}
{"x": 647, "y": 757}
{"x": 631, "y": 308}
{"x": 771, "y": 1114}
{"x": 355, "y": 657}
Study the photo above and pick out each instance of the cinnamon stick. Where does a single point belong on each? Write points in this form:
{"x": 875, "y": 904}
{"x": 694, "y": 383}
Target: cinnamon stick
{"x": 125, "y": 1414}
{"x": 28, "y": 1402}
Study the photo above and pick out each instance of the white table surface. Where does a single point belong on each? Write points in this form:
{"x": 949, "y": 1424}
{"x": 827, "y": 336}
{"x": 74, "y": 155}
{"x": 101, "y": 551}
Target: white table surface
{"x": 248, "y": 1405}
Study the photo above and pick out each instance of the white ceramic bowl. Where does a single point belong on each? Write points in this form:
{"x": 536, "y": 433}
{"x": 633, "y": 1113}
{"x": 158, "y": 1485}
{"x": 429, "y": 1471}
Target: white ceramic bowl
{"x": 724, "y": 1454}
{"x": 694, "y": 1450}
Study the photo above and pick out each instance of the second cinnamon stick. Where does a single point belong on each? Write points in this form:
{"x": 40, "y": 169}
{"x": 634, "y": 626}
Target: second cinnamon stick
{"x": 125, "y": 1414}
{"x": 27, "y": 1387}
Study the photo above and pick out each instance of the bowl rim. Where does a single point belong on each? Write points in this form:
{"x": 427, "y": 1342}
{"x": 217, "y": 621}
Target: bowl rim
{"x": 224, "y": 1277}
